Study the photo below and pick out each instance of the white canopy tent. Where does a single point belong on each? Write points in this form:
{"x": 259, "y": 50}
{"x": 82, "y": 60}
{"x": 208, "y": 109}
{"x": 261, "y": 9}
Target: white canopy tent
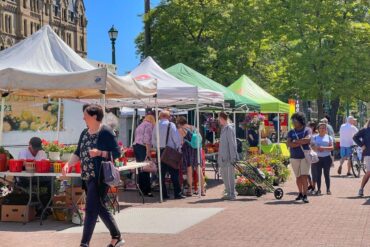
{"x": 43, "y": 65}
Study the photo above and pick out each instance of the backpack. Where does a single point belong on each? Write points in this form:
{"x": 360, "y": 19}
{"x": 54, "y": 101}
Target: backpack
{"x": 196, "y": 139}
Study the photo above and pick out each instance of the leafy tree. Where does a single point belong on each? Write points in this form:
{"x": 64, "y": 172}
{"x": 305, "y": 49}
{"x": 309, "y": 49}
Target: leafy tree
{"x": 318, "y": 49}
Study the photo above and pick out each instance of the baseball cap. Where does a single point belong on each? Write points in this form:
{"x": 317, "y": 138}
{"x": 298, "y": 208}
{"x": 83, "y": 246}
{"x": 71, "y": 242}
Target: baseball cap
{"x": 36, "y": 143}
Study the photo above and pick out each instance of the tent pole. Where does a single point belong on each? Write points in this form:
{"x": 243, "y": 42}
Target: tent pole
{"x": 132, "y": 128}
{"x": 59, "y": 115}
{"x": 213, "y": 133}
{"x": 234, "y": 119}
{"x": 158, "y": 152}
{"x": 2, "y": 119}
{"x": 278, "y": 130}
{"x": 198, "y": 154}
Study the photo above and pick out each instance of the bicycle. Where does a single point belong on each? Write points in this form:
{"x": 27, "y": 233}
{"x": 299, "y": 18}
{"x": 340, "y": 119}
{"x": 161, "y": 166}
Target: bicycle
{"x": 356, "y": 161}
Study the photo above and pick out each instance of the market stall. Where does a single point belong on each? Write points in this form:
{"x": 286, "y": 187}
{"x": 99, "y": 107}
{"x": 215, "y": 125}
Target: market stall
{"x": 42, "y": 65}
{"x": 269, "y": 104}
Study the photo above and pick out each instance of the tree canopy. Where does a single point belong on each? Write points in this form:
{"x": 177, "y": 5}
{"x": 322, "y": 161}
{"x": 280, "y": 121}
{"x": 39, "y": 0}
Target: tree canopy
{"x": 312, "y": 48}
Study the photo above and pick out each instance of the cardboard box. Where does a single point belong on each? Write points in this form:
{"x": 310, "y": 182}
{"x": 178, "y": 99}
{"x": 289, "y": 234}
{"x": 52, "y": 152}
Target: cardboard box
{"x": 17, "y": 213}
{"x": 77, "y": 193}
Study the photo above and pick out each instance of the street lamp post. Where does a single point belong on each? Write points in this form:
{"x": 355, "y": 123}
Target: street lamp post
{"x": 113, "y": 33}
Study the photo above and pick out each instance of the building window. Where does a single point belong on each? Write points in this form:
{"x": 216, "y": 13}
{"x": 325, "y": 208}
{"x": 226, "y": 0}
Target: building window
{"x": 25, "y": 27}
{"x": 56, "y": 10}
{"x": 8, "y": 24}
{"x": 69, "y": 39}
{"x": 31, "y": 24}
{"x": 46, "y": 9}
{"x": 25, "y": 4}
{"x": 82, "y": 43}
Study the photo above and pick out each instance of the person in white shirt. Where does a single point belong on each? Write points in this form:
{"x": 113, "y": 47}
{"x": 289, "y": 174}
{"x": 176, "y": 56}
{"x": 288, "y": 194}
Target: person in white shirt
{"x": 346, "y": 132}
{"x": 33, "y": 151}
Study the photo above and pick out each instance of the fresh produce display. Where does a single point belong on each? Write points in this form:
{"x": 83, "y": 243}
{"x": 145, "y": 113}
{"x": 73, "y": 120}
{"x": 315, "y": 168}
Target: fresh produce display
{"x": 211, "y": 148}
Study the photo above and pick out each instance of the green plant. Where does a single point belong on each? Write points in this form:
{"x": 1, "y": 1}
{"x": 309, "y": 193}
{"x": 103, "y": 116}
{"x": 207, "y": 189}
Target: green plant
{"x": 69, "y": 149}
{"x": 54, "y": 146}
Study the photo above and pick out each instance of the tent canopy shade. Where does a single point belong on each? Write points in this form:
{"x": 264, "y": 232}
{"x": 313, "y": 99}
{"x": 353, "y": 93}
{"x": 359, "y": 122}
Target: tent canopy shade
{"x": 269, "y": 104}
{"x": 43, "y": 65}
{"x": 188, "y": 75}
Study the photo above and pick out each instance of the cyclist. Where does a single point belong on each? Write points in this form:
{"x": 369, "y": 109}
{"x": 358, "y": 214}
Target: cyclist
{"x": 346, "y": 132}
{"x": 362, "y": 139}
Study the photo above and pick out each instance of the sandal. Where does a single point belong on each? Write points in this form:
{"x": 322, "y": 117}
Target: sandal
{"x": 203, "y": 193}
{"x": 188, "y": 194}
{"x": 120, "y": 242}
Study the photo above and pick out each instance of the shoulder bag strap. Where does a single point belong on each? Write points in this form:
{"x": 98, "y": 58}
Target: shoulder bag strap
{"x": 168, "y": 132}
{"x": 299, "y": 139}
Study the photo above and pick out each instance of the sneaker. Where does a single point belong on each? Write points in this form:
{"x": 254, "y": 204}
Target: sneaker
{"x": 317, "y": 193}
{"x": 340, "y": 170}
{"x": 310, "y": 188}
{"x": 328, "y": 192}
{"x": 349, "y": 174}
{"x": 361, "y": 192}
{"x": 305, "y": 199}
{"x": 225, "y": 197}
{"x": 300, "y": 197}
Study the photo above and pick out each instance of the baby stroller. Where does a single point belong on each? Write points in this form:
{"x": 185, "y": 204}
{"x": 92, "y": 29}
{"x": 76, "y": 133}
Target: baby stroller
{"x": 257, "y": 177}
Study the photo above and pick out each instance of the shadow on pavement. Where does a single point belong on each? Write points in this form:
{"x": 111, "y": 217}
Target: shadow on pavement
{"x": 34, "y": 226}
{"x": 342, "y": 176}
{"x": 284, "y": 203}
{"x": 205, "y": 201}
{"x": 355, "y": 197}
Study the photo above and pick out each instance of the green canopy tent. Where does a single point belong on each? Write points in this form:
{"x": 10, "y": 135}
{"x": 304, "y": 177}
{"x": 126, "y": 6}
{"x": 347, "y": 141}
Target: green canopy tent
{"x": 269, "y": 104}
{"x": 188, "y": 75}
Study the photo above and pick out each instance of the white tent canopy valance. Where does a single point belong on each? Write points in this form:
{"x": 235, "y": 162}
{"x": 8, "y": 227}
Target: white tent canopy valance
{"x": 43, "y": 65}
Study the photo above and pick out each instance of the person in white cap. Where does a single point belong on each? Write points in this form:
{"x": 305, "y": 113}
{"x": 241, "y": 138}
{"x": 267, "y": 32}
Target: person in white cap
{"x": 346, "y": 133}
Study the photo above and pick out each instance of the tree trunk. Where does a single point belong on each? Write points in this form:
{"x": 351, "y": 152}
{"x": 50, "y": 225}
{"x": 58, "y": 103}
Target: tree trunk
{"x": 320, "y": 107}
{"x": 147, "y": 28}
{"x": 334, "y": 106}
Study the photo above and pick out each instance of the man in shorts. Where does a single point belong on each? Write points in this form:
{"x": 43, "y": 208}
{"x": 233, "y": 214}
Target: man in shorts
{"x": 362, "y": 139}
{"x": 346, "y": 133}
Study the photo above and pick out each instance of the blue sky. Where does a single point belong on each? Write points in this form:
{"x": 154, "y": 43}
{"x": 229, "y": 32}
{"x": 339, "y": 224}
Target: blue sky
{"x": 125, "y": 15}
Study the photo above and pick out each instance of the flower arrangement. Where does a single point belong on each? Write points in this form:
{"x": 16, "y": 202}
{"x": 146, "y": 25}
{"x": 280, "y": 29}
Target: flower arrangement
{"x": 252, "y": 122}
{"x": 54, "y": 146}
{"x": 69, "y": 149}
{"x": 244, "y": 186}
{"x": 211, "y": 124}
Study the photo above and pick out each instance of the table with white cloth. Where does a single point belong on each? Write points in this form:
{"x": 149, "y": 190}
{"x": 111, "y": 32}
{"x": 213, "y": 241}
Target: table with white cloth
{"x": 53, "y": 176}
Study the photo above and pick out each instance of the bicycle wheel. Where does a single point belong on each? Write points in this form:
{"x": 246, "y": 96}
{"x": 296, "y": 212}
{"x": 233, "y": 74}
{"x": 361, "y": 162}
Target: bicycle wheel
{"x": 356, "y": 169}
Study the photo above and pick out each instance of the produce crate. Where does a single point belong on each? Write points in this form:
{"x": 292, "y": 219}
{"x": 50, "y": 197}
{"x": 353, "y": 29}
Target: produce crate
{"x": 16, "y": 213}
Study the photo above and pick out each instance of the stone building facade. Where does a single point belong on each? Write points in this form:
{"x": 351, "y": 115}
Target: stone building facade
{"x": 21, "y": 18}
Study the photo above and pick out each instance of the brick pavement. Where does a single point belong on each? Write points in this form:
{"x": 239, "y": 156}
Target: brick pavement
{"x": 341, "y": 219}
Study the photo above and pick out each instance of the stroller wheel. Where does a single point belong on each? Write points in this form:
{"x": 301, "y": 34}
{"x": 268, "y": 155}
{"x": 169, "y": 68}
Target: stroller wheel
{"x": 259, "y": 191}
{"x": 278, "y": 193}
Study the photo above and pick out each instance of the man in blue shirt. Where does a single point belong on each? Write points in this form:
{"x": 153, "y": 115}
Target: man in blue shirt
{"x": 174, "y": 141}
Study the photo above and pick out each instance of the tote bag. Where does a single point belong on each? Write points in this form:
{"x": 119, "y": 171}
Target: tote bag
{"x": 310, "y": 155}
{"x": 171, "y": 156}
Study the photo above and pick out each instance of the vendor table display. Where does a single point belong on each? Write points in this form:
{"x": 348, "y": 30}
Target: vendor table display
{"x": 17, "y": 172}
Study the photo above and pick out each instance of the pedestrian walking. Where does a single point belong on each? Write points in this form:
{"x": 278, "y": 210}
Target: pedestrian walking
{"x": 298, "y": 140}
{"x": 97, "y": 143}
{"x": 322, "y": 143}
{"x": 362, "y": 139}
{"x": 346, "y": 133}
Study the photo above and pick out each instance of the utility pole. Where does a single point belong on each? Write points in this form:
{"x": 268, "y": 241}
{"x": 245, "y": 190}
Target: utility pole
{"x": 147, "y": 28}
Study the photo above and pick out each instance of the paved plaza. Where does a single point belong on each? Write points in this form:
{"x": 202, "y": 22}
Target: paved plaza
{"x": 340, "y": 219}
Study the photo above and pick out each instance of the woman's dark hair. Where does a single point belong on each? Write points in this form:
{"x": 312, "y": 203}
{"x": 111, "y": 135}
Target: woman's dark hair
{"x": 313, "y": 126}
{"x": 95, "y": 110}
{"x": 223, "y": 115}
{"x": 300, "y": 117}
{"x": 181, "y": 120}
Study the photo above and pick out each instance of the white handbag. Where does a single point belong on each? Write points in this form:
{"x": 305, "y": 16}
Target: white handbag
{"x": 310, "y": 155}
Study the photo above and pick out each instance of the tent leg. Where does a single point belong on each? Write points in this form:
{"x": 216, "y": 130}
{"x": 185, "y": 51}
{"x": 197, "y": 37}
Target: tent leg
{"x": 234, "y": 120}
{"x": 213, "y": 133}
{"x": 158, "y": 152}
{"x": 278, "y": 130}
{"x": 132, "y": 128}
{"x": 198, "y": 155}
{"x": 2, "y": 119}
{"x": 59, "y": 116}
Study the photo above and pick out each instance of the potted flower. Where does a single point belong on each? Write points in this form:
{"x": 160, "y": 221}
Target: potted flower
{"x": 67, "y": 152}
{"x": 244, "y": 187}
{"x": 53, "y": 149}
